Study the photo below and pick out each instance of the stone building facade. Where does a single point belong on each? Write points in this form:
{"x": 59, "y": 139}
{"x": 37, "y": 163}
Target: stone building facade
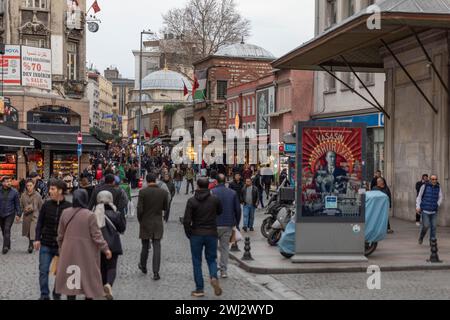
{"x": 52, "y": 117}
{"x": 229, "y": 67}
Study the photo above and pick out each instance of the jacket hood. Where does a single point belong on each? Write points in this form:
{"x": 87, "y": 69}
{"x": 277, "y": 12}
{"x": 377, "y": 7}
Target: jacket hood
{"x": 202, "y": 195}
{"x": 80, "y": 199}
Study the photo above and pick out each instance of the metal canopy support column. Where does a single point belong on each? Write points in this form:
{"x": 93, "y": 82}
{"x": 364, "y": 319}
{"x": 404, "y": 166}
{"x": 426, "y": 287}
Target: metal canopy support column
{"x": 380, "y": 107}
{"x": 409, "y": 76}
{"x": 349, "y": 87}
{"x": 430, "y": 61}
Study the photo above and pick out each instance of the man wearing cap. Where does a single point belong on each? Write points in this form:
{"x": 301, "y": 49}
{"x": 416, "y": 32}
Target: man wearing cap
{"x": 41, "y": 186}
{"x": 9, "y": 208}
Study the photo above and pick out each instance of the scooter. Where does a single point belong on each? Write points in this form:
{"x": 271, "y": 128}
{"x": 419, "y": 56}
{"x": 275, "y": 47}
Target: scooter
{"x": 283, "y": 219}
{"x": 377, "y": 213}
{"x": 273, "y": 207}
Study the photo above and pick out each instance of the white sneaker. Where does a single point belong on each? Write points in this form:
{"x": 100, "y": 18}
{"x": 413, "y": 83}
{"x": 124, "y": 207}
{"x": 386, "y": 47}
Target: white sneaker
{"x": 108, "y": 292}
{"x": 223, "y": 275}
{"x": 418, "y": 224}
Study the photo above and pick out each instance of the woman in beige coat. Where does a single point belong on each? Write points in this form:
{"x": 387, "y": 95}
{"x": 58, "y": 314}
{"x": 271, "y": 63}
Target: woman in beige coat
{"x": 31, "y": 204}
{"x": 80, "y": 243}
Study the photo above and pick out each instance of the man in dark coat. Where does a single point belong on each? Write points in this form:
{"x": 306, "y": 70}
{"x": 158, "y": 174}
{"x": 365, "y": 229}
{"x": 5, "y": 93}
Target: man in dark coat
{"x": 230, "y": 218}
{"x": 200, "y": 225}
{"x": 237, "y": 185}
{"x": 171, "y": 186}
{"x": 9, "y": 211}
{"x": 152, "y": 202}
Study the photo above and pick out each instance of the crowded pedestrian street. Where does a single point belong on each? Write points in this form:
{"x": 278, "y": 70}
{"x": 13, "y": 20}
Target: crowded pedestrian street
{"x": 19, "y": 276}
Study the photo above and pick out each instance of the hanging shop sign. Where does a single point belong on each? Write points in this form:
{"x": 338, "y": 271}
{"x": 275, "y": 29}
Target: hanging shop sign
{"x": 37, "y": 67}
{"x": 10, "y": 65}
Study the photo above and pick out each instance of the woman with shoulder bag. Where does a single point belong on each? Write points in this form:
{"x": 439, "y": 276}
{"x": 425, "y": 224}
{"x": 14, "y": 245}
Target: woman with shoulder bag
{"x": 31, "y": 204}
{"x": 112, "y": 224}
{"x": 80, "y": 242}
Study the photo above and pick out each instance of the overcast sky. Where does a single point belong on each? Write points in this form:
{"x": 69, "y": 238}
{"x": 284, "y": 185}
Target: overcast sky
{"x": 278, "y": 26}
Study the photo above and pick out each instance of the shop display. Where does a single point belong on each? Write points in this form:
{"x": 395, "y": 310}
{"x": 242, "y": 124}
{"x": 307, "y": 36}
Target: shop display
{"x": 36, "y": 162}
{"x": 8, "y": 164}
{"x": 65, "y": 163}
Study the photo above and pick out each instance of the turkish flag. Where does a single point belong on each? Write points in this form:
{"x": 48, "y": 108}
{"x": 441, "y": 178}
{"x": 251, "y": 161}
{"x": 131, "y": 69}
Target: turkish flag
{"x": 96, "y": 7}
{"x": 186, "y": 91}
{"x": 195, "y": 86}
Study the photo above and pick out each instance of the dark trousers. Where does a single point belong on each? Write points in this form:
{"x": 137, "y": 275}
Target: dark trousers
{"x": 209, "y": 244}
{"x": 261, "y": 197}
{"x": 6, "y": 224}
{"x": 189, "y": 182}
{"x": 109, "y": 269}
{"x": 418, "y": 216}
{"x": 156, "y": 263}
{"x": 267, "y": 187}
{"x": 167, "y": 212}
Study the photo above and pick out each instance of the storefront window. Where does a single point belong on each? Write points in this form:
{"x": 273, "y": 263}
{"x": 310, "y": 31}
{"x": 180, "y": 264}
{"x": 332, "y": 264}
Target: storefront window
{"x": 36, "y": 162}
{"x": 8, "y": 164}
{"x": 64, "y": 163}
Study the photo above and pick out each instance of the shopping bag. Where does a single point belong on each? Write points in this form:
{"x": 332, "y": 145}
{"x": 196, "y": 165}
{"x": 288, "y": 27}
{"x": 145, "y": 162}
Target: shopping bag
{"x": 54, "y": 265}
{"x": 236, "y": 236}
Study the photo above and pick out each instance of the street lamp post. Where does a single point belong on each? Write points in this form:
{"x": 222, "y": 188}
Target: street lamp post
{"x": 139, "y": 115}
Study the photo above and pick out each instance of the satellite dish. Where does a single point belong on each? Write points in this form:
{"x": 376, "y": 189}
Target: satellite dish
{"x": 93, "y": 27}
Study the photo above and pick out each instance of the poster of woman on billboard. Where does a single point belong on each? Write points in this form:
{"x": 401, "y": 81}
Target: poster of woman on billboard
{"x": 332, "y": 171}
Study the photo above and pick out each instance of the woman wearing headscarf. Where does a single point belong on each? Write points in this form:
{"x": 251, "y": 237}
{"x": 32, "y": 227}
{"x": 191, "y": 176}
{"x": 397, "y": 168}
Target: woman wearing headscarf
{"x": 112, "y": 224}
{"x": 80, "y": 243}
{"x": 31, "y": 204}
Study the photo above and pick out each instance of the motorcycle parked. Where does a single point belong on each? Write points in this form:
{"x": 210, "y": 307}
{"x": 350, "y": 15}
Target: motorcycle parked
{"x": 284, "y": 217}
{"x": 377, "y": 213}
{"x": 276, "y": 203}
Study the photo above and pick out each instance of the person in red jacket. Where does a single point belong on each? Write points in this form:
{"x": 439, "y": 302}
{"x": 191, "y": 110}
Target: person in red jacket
{"x": 99, "y": 173}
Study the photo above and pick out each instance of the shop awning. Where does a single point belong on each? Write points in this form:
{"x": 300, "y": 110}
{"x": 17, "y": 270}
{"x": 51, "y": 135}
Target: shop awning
{"x": 66, "y": 142}
{"x": 360, "y": 45}
{"x": 14, "y": 138}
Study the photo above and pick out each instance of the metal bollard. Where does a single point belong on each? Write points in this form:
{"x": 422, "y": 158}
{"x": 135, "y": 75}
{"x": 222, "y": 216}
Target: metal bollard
{"x": 434, "y": 257}
{"x": 235, "y": 248}
{"x": 247, "y": 254}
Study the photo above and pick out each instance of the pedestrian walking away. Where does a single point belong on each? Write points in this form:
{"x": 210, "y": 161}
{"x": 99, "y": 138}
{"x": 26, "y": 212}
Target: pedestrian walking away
{"x": 229, "y": 219}
{"x": 112, "y": 224}
{"x": 428, "y": 202}
{"x": 9, "y": 211}
{"x": 190, "y": 176}
{"x": 47, "y": 232}
{"x": 80, "y": 242}
{"x": 381, "y": 186}
{"x": 200, "y": 225}
{"x": 152, "y": 201}
{"x": 31, "y": 204}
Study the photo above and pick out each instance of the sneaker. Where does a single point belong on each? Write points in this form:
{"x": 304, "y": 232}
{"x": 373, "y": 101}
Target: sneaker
{"x": 143, "y": 269}
{"x": 44, "y": 298}
{"x": 198, "y": 293}
{"x": 390, "y": 231}
{"x": 245, "y": 229}
{"x": 156, "y": 277}
{"x": 223, "y": 275}
{"x": 418, "y": 224}
{"x": 108, "y": 292}
{"x": 217, "y": 289}
{"x": 420, "y": 241}
{"x": 252, "y": 229}
{"x": 5, "y": 250}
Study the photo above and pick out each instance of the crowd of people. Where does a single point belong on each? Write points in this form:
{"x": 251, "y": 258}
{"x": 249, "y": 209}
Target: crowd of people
{"x": 82, "y": 237}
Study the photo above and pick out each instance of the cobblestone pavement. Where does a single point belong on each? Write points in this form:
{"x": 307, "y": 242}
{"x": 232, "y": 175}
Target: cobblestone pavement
{"x": 19, "y": 270}
{"x": 19, "y": 275}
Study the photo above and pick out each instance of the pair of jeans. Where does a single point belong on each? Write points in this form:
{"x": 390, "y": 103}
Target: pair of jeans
{"x": 224, "y": 246}
{"x": 46, "y": 255}
{"x": 109, "y": 269}
{"x": 156, "y": 262}
{"x": 249, "y": 215}
{"x": 178, "y": 186}
{"x": 210, "y": 245}
{"x": 429, "y": 221}
{"x": 189, "y": 183}
{"x": 6, "y": 225}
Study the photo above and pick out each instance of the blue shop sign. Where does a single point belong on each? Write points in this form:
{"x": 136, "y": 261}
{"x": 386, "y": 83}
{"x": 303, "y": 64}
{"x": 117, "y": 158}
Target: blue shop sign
{"x": 375, "y": 120}
{"x": 290, "y": 148}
